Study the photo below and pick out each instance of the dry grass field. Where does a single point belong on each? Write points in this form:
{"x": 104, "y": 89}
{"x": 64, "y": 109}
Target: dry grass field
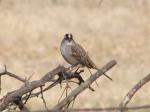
{"x": 31, "y": 32}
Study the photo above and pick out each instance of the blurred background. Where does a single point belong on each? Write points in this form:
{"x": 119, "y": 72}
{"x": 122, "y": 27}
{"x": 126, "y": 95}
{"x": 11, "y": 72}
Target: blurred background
{"x": 31, "y": 32}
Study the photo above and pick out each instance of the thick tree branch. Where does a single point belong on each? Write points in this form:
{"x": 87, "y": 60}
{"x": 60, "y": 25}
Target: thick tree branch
{"x": 27, "y": 87}
{"x": 132, "y": 92}
{"x": 83, "y": 86}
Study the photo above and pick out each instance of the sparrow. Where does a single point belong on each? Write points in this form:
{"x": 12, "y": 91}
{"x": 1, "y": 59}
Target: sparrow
{"x": 75, "y": 54}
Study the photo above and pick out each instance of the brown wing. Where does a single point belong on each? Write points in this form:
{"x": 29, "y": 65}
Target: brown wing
{"x": 76, "y": 52}
{"x": 90, "y": 63}
{"x": 81, "y": 55}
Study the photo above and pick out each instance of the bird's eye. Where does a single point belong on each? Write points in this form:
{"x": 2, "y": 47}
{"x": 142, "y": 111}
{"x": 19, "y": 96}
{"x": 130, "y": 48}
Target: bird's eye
{"x": 66, "y": 36}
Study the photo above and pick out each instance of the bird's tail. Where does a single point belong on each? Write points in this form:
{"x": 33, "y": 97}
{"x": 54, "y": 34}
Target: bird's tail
{"x": 91, "y": 64}
{"x": 103, "y": 73}
{"x": 107, "y": 76}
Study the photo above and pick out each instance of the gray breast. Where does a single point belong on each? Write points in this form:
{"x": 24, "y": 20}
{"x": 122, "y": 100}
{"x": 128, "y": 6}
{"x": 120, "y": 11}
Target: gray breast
{"x": 66, "y": 52}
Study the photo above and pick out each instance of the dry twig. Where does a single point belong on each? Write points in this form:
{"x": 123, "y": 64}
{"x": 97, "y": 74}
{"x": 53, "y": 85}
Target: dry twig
{"x": 132, "y": 92}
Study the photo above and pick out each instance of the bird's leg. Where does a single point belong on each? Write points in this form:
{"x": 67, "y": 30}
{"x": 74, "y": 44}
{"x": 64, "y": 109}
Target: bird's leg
{"x": 77, "y": 70}
{"x": 73, "y": 67}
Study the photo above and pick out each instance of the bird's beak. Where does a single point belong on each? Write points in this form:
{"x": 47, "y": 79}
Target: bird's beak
{"x": 69, "y": 40}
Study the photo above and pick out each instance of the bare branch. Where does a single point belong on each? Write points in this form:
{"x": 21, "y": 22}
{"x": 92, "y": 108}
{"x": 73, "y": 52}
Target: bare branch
{"x": 27, "y": 87}
{"x": 83, "y": 86}
{"x": 5, "y": 72}
{"x": 132, "y": 92}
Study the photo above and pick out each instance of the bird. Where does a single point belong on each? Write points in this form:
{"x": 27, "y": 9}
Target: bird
{"x": 75, "y": 54}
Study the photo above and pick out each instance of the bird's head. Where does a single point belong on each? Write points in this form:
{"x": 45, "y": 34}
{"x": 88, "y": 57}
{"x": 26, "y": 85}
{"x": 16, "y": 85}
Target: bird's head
{"x": 68, "y": 37}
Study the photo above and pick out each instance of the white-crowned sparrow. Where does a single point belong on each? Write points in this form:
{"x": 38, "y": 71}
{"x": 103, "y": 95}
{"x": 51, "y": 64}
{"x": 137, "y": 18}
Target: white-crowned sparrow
{"x": 74, "y": 54}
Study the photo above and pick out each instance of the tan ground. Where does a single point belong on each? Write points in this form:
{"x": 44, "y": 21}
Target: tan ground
{"x": 31, "y": 32}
